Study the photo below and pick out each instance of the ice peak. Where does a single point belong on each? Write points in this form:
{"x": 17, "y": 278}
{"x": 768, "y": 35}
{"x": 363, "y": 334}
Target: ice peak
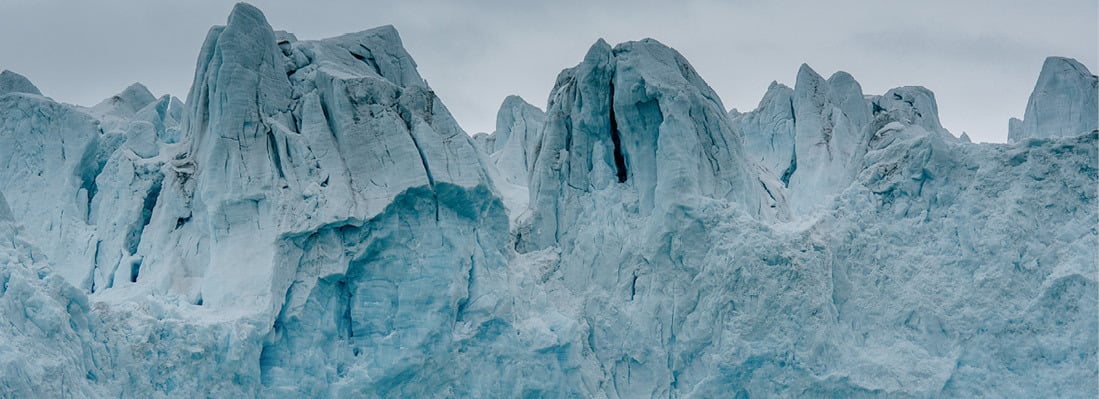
{"x": 775, "y": 85}
{"x": 136, "y": 95}
{"x": 1059, "y": 65}
{"x": 598, "y": 52}
{"x": 379, "y": 50}
{"x": 512, "y": 145}
{"x": 807, "y": 73}
{"x": 1065, "y": 102}
{"x": 125, "y": 104}
{"x": 610, "y": 125}
{"x": 913, "y": 105}
{"x": 776, "y": 93}
{"x": 386, "y": 30}
{"x": 11, "y": 82}
{"x": 513, "y": 101}
{"x": 244, "y": 13}
{"x": 841, "y": 77}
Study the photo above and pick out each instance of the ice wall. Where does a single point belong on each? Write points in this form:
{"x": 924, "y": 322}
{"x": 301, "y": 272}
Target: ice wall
{"x": 1065, "y": 102}
{"x": 312, "y": 222}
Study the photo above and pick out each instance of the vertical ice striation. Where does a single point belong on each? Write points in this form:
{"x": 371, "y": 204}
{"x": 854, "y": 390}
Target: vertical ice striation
{"x": 284, "y": 136}
{"x": 768, "y": 132}
{"x": 635, "y": 118}
{"x": 314, "y": 223}
{"x": 518, "y": 129}
{"x": 1065, "y": 102}
{"x": 50, "y": 156}
{"x": 829, "y": 116}
{"x": 811, "y": 139}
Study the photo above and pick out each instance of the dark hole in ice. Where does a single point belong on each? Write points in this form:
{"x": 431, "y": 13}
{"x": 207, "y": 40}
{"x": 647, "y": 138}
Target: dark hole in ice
{"x": 619, "y": 159}
{"x": 135, "y": 268}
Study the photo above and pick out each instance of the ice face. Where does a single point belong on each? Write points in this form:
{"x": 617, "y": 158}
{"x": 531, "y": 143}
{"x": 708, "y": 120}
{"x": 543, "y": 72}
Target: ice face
{"x": 313, "y": 223}
{"x": 1065, "y": 102}
{"x": 51, "y": 155}
{"x": 11, "y": 82}
{"x": 616, "y": 120}
{"x": 514, "y": 143}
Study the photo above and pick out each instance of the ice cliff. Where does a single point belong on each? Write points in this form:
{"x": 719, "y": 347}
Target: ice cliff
{"x": 812, "y": 138}
{"x": 312, "y": 222}
{"x": 1065, "y": 102}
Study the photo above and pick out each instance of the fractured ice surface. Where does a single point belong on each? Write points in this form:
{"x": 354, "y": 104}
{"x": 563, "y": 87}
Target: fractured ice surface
{"x": 312, "y": 222}
{"x": 1065, "y": 102}
{"x": 11, "y": 82}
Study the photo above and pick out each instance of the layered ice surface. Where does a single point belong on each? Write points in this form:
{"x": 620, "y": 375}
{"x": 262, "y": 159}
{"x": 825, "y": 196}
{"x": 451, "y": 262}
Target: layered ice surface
{"x": 312, "y": 222}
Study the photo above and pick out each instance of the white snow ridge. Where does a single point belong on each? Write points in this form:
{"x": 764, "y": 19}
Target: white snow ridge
{"x": 312, "y": 222}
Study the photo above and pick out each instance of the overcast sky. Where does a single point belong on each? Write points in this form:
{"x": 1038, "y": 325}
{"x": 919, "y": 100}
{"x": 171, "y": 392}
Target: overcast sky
{"x": 981, "y": 58}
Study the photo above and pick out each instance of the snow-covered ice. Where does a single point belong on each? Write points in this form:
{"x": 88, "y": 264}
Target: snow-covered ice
{"x": 312, "y": 222}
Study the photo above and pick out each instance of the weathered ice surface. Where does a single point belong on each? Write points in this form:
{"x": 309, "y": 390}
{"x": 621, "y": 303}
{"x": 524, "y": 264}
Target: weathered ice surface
{"x": 51, "y": 155}
{"x": 515, "y": 141}
{"x": 312, "y": 222}
{"x": 636, "y": 119}
{"x": 510, "y": 151}
{"x": 11, "y": 82}
{"x": 769, "y": 132}
{"x": 1065, "y": 102}
{"x": 812, "y": 138}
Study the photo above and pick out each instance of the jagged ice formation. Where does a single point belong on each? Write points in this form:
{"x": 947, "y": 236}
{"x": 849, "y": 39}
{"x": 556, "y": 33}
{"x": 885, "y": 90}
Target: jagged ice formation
{"x": 312, "y": 222}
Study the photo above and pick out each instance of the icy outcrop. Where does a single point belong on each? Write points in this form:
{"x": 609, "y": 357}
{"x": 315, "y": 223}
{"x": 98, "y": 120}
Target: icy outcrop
{"x": 1065, "y": 102}
{"x": 46, "y": 334}
{"x": 829, "y": 115}
{"x": 125, "y": 104}
{"x": 98, "y": 181}
{"x": 313, "y": 223}
{"x": 1014, "y": 129}
{"x": 811, "y": 139}
{"x": 911, "y": 105}
{"x": 639, "y": 119}
{"x": 11, "y": 82}
{"x": 50, "y": 155}
{"x": 510, "y": 151}
{"x": 518, "y": 133}
{"x": 768, "y": 132}
{"x": 285, "y": 136}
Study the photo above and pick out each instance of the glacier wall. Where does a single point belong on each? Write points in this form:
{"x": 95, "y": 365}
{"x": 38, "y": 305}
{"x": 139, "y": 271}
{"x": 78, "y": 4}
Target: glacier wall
{"x": 1065, "y": 102}
{"x": 312, "y": 222}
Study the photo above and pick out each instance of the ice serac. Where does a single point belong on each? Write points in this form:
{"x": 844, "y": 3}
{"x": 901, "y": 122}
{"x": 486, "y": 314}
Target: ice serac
{"x": 11, "y": 82}
{"x": 911, "y": 105}
{"x": 1065, "y": 102}
{"x": 50, "y": 156}
{"x": 46, "y": 334}
{"x": 285, "y": 136}
{"x": 322, "y": 172}
{"x": 636, "y": 119}
{"x": 769, "y": 134}
{"x": 1014, "y": 130}
{"x": 829, "y": 115}
{"x": 127, "y": 103}
{"x": 810, "y": 140}
{"x": 518, "y": 129}
{"x": 315, "y": 224}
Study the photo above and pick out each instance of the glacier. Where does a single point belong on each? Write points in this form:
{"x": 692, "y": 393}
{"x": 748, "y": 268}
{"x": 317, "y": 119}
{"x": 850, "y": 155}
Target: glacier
{"x": 311, "y": 221}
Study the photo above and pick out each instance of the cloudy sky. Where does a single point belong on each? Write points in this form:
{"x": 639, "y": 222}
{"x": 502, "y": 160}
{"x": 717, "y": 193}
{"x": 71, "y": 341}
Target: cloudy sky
{"x": 981, "y": 58}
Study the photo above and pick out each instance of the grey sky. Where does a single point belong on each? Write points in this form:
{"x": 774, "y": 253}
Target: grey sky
{"x": 981, "y": 58}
